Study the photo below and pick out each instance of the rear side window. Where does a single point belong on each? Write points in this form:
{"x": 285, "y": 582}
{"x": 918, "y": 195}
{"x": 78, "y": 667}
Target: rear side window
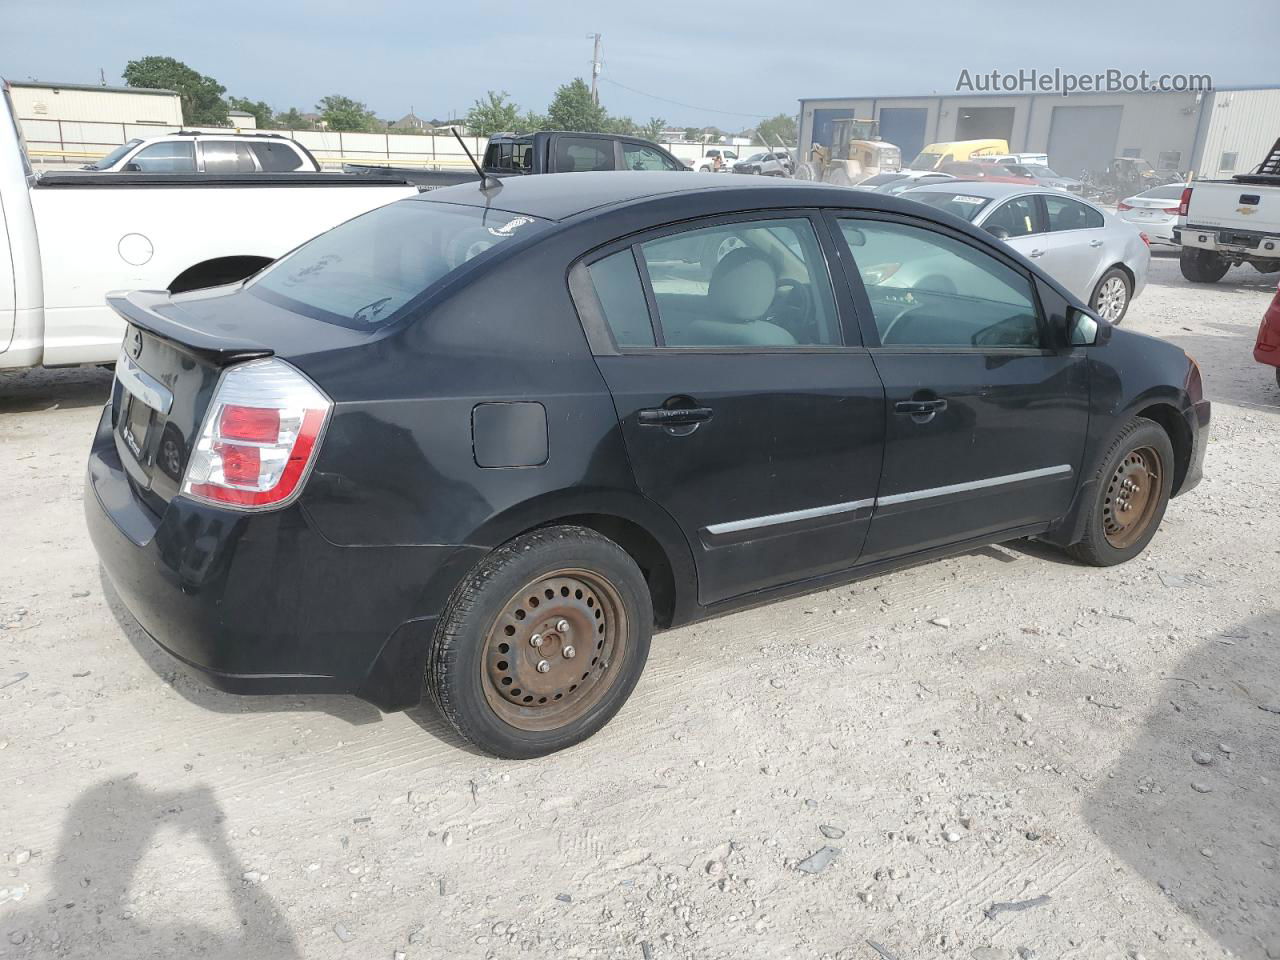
{"x": 617, "y": 285}
{"x": 171, "y": 156}
{"x": 362, "y": 273}
{"x": 515, "y": 156}
{"x": 579, "y": 154}
{"x": 227, "y": 156}
{"x": 275, "y": 157}
{"x": 1067, "y": 214}
{"x": 928, "y": 289}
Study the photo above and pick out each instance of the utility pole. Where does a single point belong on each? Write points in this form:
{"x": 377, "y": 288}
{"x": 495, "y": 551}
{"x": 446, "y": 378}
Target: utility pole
{"x": 595, "y": 65}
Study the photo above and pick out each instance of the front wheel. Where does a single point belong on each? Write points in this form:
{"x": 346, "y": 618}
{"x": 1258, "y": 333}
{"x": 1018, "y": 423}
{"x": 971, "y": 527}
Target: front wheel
{"x": 542, "y": 643}
{"x": 1134, "y": 483}
{"x": 1111, "y": 296}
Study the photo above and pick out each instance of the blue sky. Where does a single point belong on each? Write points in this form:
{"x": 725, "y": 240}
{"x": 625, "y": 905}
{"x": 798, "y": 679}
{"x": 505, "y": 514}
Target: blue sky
{"x": 726, "y": 61}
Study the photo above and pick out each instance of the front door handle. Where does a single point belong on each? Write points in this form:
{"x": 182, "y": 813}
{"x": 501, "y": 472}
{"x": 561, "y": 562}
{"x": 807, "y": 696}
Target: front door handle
{"x": 674, "y": 416}
{"x": 1036, "y": 253}
{"x": 1095, "y": 243}
{"x": 918, "y": 408}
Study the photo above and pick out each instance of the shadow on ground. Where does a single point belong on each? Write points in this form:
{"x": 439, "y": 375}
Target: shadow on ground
{"x": 1191, "y": 805}
{"x": 94, "y": 907}
{"x": 27, "y": 391}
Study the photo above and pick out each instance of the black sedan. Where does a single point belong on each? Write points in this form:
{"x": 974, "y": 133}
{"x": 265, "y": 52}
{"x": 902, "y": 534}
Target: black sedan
{"x": 481, "y": 442}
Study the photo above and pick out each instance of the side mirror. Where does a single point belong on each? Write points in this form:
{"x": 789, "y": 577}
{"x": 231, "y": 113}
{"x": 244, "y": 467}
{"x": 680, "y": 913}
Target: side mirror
{"x": 1082, "y": 329}
{"x": 1000, "y": 233}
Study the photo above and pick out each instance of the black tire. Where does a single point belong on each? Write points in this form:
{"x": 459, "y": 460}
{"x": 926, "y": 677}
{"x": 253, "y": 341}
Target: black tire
{"x": 1096, "y": 547}
{"x": 1111, "y": 296}
{"x": 457, "y": 671}
{"x": 1202, "y": 266}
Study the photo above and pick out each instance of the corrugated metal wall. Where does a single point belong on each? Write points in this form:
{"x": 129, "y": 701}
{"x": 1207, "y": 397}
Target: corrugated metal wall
{"x": 109, "y": 106}
{"x": 1243, "y": 122}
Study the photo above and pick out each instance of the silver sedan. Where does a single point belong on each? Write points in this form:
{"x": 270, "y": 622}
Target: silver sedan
{"x": 1095, "y": 255}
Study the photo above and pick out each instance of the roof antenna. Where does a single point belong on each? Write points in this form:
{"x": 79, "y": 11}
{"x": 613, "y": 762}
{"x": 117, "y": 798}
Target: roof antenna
{"x": 487, "y": 182}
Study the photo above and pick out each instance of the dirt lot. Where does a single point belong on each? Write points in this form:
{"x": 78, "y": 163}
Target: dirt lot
{"x": 1002, "y": 727}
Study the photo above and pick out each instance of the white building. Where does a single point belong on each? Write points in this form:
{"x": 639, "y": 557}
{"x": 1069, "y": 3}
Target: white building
{"x": 1213, "y": 133}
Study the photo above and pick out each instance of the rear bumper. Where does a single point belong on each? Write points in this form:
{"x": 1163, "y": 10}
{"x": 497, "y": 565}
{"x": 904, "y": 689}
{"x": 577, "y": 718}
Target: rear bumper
{"x": 1244, "y": 243}
{"x": 261, "y": 603}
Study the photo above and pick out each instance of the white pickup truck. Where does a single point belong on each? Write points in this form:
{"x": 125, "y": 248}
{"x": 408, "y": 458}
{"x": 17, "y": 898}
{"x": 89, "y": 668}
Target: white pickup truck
{"x": 1222, "y": 223}
{"x": 67, "y": 239}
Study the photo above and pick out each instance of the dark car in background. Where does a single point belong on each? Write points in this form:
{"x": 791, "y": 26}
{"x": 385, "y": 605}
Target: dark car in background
{"x": 479, "y": 443}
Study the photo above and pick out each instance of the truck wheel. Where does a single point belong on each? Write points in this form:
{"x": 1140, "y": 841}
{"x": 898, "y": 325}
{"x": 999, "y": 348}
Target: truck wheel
{"x": 1111, "y": 296}
{"x": 542, "y": 643}
{"x": 1202, "y": 266}
{"x": 1134, "y": 481}
{"x": 806, "y": 171}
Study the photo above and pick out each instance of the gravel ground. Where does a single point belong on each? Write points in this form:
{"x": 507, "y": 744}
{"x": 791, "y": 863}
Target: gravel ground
{"x": 867, "y": 772}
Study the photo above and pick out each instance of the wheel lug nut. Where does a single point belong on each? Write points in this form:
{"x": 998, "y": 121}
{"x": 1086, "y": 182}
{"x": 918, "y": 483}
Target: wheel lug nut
{"x": 543, "y": 666}
{"x": 569, "y": 653}
{"x": 535, "y": 640}
{"x": 562, "y": 625}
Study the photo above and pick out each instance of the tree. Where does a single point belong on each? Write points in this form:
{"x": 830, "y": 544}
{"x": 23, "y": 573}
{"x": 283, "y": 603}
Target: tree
{"x": 201, "y": 96}
{"x": 260, "y": 109}
{"x": 292, "y": 119}
{"x": 624, "y": 126}
{"x": 343, "y": 113}
{"x": 573, "y": 108}
{"x": 533, "y": 122}
{"x": 780, "y": 128}
{"x": 494, "y": 114}
{"x": 692, "y": 133}
{"x": 653, "y": 129}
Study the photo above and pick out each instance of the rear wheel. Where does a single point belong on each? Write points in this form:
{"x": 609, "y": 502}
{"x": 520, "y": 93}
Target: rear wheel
{"x": 1111, "y": 296}
{"x": 542, "y": 643}
{"x": 1134, "y": 482}
{"x": 1202, "y": 266}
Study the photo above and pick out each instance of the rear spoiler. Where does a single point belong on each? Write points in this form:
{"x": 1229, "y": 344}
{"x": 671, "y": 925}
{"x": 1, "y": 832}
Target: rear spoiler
{"x": 155, "y": 312}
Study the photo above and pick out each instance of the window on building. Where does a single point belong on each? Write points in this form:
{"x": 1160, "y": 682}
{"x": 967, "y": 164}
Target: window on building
{"x": 1131, "y": 152}
{"x": 1169, "y": 160}
{"x": 1228, "y": 161}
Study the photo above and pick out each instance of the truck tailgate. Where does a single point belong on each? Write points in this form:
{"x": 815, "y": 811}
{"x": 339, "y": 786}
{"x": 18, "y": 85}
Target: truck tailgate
{"x": 1235, "y": 206}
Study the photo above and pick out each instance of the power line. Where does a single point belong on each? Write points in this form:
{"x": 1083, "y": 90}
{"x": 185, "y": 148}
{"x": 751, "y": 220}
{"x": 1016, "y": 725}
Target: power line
{"x": 687, "y": 106}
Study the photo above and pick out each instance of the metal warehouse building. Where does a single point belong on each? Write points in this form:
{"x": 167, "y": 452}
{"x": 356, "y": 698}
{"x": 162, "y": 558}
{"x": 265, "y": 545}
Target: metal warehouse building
{"x": 1214, "y": 133}
{"x": 74, "y": 122}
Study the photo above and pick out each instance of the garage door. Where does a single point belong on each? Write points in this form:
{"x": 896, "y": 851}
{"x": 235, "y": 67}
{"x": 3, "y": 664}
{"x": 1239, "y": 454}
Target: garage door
{"x": 1083, "y": 138}
{"x": 982, "y": 123}
{"x": 904, "y": 127}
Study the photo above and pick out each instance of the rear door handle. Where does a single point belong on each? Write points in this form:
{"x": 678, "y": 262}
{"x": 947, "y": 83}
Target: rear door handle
{"x": 674, "y": 417}
{"x": 1095, "y": 243}
{"x": 917, "y": 408}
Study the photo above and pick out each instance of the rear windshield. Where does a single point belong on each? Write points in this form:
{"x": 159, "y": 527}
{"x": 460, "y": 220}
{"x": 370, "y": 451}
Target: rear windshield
{"x": 363, "y": 272}
{"x": 1171, "y": 192}
{"x": 958, "y": 203}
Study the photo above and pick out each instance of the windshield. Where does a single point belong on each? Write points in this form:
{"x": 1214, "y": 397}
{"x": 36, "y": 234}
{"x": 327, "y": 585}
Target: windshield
{"x": 962, "y": 205}
{"x": 113, "y": 157}
{"x": 1039, "y": 170}
{"x": 362, "y": 272}
{"x": 925, "y": 161}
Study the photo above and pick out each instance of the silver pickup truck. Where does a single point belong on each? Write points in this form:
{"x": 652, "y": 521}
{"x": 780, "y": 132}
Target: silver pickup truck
{"x": 1222, "y": 223}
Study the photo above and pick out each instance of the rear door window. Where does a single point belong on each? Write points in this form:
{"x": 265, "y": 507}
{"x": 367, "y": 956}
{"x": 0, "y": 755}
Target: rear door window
{"x": 171, "y": 156}
{"x": 579, "y": 154}
{"x": 274, "y": 157}
{"x": 227, "y": 156}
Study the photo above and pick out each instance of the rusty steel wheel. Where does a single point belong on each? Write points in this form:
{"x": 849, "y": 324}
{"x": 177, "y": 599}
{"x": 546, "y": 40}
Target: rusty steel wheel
{"x": 548, "y": 655}
{"x": 1132, "y": 497}
{"x": 541, "y": 642}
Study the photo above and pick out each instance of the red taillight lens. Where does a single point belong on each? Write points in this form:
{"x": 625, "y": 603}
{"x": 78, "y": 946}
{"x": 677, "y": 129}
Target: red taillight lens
{"x": 1172, "y": 211}
{"x": 1145, "y": 239}
{"x": 1185, "y": 202}
{"x": 1123, "y": 206}
{"x": 259, "y": 438}
{"x": 261, "y": 425}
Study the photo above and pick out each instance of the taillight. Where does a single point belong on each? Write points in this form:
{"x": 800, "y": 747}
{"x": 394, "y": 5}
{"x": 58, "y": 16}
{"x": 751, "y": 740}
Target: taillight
{"x": 1185, "y": 202}
{"x": 260, "y": 437}
{"x": 1145, "y": 238}
{"x": 1123, "y": 206}
{"x": 1172, "y": 211}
